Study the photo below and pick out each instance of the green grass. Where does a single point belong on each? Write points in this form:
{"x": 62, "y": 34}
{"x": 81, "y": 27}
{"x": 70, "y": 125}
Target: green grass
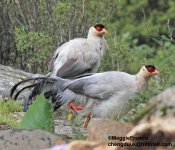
{"x": 8, "y": 112}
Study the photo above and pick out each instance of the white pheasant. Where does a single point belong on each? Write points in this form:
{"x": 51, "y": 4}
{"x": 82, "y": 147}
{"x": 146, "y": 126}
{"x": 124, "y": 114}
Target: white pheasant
{"x": 73, "y": 58}
{"x": 80, "y": 55}
{"x": 110, "y": 91}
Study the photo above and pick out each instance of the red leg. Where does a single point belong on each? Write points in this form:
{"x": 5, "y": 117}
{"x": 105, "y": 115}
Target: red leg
{"x": 75, "y": 108}
{"x": 88, "y": 118}
{"x": 80, "y": 107}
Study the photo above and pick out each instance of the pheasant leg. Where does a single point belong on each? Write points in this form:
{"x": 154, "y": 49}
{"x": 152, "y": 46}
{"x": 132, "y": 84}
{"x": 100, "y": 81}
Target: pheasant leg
{"x": 88, "y": 118}
{"x": 74, "y": 107}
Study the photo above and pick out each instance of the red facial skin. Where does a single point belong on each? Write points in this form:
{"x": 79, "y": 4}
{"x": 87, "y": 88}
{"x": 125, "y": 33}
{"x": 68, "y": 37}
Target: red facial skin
{"x": 152, "y": 70}
{"x": 98, "y": 28}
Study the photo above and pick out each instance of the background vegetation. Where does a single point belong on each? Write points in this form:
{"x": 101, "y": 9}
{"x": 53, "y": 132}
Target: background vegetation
{"x": 140, "y": 32}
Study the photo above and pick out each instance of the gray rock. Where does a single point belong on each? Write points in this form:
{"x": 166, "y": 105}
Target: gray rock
{"x": 102, "y": 129}
{"x": 69, "y": 130}
{"x": 157, "y": 124}
{"x": 17, "y": 139}
{"x": 162, "y": 105}
{"x": 9, "y": 77}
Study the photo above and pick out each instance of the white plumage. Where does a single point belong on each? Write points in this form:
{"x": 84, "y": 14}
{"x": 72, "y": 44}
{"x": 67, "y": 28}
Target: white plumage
{"x": 80, "y": 55}
{"x": 108, "y": 92}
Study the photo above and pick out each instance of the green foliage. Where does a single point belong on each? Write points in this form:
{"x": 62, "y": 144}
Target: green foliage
{"x": 8, "y": 120}
{"x": 39, "y": 115}
{"x": 35, "y": 45}
{"x": 142, "y": 112}
{"x": 10, "y": 106}
{"x": 7, "y": 111}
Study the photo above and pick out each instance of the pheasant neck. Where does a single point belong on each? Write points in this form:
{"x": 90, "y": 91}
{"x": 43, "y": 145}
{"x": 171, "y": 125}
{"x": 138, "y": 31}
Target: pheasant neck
{"x": 100, "y": 42}
{"x": 141, "y": 82}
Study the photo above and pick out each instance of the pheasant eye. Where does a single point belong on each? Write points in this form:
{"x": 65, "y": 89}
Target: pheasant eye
{"x": 98, "y": 28}
{"x": 150, "y": 68}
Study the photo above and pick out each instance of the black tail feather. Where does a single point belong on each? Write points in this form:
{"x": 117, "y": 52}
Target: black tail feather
{"x": 57, "y": 106}
{"x": 38, "y": 88}
{"x": 32, "y": 95}
{"x": 26, "y": 87}
{"x": 13, "y": 89}
{"x": 38, "y": 84}
{"x": 53, "y": 95}
{"x": 16, "y": 85}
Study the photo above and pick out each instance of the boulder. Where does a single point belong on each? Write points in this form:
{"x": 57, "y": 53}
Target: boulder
{"x": 9, "y": 77}
{"x": 18, "y": 139}
{"x": 102, "y": 130}
{"x": 157, "y": 125}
